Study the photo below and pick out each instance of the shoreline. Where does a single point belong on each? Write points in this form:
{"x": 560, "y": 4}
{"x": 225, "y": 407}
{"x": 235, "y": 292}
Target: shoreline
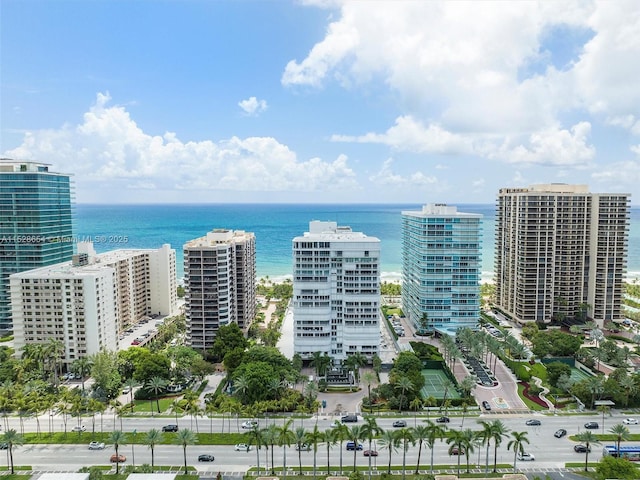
{"x": 396, "y": 277}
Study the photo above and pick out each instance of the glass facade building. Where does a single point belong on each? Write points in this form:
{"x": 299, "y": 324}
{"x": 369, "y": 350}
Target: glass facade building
{"x": 36, "y": 218}
{"x": 441, "y": 268}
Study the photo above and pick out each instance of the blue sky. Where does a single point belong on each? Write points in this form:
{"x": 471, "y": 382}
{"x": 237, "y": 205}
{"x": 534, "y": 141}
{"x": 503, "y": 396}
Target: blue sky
{"x": 322, "y": 100}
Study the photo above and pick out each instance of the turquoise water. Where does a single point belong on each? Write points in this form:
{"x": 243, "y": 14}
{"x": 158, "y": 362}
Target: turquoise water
{"x": 275, "y": 225}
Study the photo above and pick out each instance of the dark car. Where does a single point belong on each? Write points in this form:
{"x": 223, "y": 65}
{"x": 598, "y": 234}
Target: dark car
{"x": 206, "y": 458}
{"x": 4, "y": 446}
{"x": 370, "y": 453}
{"x": 303, "y": 447}
{"x": 581, "y": 449}
{"x": 457, "y": 451}
{"x": 349, "y": 418}
{"x": 443, "y": 420}
{"x": 560, "y": 433}
{"x": 353, "y": 446}
{"x": 399, "y": 423}
{"x": 533, "y": 422}
{"x": 170, "y": 428}
{"x": 486, "y": 405}
{"x": 591, "y": 425}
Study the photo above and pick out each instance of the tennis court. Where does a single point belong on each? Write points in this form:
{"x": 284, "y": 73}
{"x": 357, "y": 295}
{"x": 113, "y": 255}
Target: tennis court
{"x": 434, "y": 385}
{"x": 578, "y": 375}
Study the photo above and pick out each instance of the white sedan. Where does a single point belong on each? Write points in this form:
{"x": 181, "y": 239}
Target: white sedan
{"x": 96, "y": 446}
{"x": 242, "y": 447}
{"x": 526, "y": 457}
{"x": 630, "y": 421}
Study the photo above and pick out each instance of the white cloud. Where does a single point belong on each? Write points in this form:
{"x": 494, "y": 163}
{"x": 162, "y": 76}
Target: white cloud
{"x": 109, "y": 145}
{"x": 386, "y": 176}
{"x": 552, "y": 147}
{"x": 252, "y": 106}
{"x": 411, "y": 135}
{"x": 472, "y": 67}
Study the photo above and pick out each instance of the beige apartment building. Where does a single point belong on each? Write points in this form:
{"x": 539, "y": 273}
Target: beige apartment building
{"x": 561, "y": 251}
{"x": 87, "y": 302}
{"x": 220, "y": 284}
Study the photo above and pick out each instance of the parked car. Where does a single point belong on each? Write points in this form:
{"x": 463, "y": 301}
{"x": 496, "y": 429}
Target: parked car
{"x": 242, "y": 447}
{"x": 581, "y": 448}
{"x": 399, "y": 424}
{"x": 126, "y": 390}
{"x": 560, "y": 433}
{"x": 526, "y": 457}
{"x": 135, "y": 342}
{"x": 353, "y": 446}
{"x": 118, "y": 458}
{"x": 96, "y": 446}
{"x": 79, "y": 428}
{"x": 456, "y": 451}
{"x": 443, "y": 420}
{"x": 170, "y": 428}
{"x": 349, "y": 419}
{"x": 206, "y": 458}
{"x": 591, "y": 425}
{"x": 630, "y": 421}
{"x": 533, "y": 422}
{"x": 4, "y": 446}
{"x": 370, "y": 453}
{"x": 249, "y": 424}
{"x": 486, "y": 405}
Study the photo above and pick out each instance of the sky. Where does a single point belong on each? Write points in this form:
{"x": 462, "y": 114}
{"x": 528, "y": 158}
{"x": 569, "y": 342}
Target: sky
{"x": 322, "y": 101}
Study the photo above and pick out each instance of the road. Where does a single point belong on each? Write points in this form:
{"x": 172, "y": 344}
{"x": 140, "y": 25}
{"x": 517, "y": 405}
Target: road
{"x": 549, "y": 451}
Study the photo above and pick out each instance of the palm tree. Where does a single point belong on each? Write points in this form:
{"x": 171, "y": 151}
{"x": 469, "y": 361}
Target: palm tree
{"x": 356, "y": 434}
{"x": 403, "y": 384}
{"x": 499, "y": 431}
{"x": 54, "y": 350}
{"x": 241, "y": 387}
{"x": 331, "y": 437}
{"x": 517, "y": 442}
{"x": 446, "y": 385}
{"x": 456, "y": 440}
{"x": 300, "y": 437}
{"x": 314, "y": 437}
{"x": 420, "y": 435}
{"x": 270, "y": 435}
{"x": 354, "y": 362}
{"x": 389, "y": 440}
{"x": 129, "y": 383}
{"x": 434, "y": 432}
{"x": 82, "y": 366}
{"x": 153, "y": 438}
{"x": 256, "y": 438}
{"x": 405, "y": 436}
{"x": 369, "y": 430}
{"x": 176, "y": 407}
{"x": 588, "y": 439}
{"x": 416, "y": 404}
{"x": 156, "y": 385}
{"x": 622, "y": 433}
{"x": 185, "y": 437}
{"x": 13, "y": 439}
{"x": 369, "y": 378}
{"x": 342, "y": 432}
{"x": 118, "y": 438}
{"x": 285, "y": 438}
{"x": 470, "y": 439}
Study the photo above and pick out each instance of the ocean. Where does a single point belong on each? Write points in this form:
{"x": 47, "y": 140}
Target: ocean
{"x": 112, "y": 227}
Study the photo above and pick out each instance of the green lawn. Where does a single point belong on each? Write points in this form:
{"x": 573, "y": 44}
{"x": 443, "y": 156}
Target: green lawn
{"x": 146, "y": 405}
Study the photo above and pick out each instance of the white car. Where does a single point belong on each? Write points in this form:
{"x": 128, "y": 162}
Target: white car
{"x": 79, "y": 428}
{"x": 526, "y": 457}
{"x": 242, "y": 447}
{"x": 249, "y": 424}
{"x": 630, "y": 421}
{"x": 126, "y": 390}
{"x": 96, "y": 446}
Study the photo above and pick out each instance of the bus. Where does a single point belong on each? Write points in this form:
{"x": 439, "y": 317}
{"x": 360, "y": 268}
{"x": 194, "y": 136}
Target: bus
{"x": 630, "y": 453}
